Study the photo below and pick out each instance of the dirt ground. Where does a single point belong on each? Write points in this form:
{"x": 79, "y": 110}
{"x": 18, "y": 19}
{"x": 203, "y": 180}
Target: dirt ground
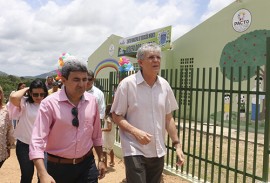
{"x": 10, "y": 172}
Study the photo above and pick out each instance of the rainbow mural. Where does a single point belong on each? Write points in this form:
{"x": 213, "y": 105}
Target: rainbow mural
{"x": 106, "y": 63}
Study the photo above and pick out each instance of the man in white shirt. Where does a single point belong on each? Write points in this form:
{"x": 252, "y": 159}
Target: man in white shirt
{"x": 97, "y": 93}
{"x": 142, "y": 108}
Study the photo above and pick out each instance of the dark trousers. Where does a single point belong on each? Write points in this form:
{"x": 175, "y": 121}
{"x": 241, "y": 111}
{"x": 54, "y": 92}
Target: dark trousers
{"x": 140, "y": 169}
{"x": 26, "y": 165}
{"x": 84, "y": 172}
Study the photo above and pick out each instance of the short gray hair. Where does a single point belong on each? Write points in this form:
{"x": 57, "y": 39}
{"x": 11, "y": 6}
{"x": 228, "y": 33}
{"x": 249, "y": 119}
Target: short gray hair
{"x": 147, "y": 47}
{"x": 72, "y": 64}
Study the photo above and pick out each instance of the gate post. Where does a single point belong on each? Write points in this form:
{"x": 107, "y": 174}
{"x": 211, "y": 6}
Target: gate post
{"x": 267, "y": 116}
{"x": 111, "y": 87}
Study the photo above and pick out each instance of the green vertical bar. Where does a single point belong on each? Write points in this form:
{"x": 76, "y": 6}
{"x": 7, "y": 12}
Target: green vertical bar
{"x": 238, "y": 124}
{"x": 180, "y": 108}
{"x": 215, "y": 127}
{"x": 230, "y": 129}
{"x": 184, "y": 115}
{"x": 208, "y": 123}
{"x": 267, "y": 117}
{"x": 185, "y": 105}
{"x": 110, "y": 87}
{"x": 201, "y": 132}
{"x": 247, "y": 126}
{"x": 222, "y": 125}
{"x": 195, "y": 121}
{"x": 108, "y": 91}
{"x": 256, "y": 126}
{"x": 190, "y": 116}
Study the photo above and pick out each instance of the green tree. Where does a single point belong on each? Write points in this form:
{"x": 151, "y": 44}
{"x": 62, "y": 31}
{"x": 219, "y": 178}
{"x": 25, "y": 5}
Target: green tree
{"x": 247, "y": 50}
{"x": 9, "y": 83}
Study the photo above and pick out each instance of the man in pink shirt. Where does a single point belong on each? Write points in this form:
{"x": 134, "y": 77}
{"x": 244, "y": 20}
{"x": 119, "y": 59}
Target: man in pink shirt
{"x": 142, "y": 108}
{"x": 67, "y": 127}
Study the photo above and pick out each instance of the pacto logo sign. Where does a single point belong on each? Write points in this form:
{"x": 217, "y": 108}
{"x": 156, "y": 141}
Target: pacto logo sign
{"x": 241, "y": 20}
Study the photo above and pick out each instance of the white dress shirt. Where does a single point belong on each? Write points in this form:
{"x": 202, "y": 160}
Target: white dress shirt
{"x": 145, "y": 108}
{"x": 100, "y": 100}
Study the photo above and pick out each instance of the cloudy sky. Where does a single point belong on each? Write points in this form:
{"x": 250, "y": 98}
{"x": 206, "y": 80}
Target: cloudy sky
{"x": 34, "y": 33}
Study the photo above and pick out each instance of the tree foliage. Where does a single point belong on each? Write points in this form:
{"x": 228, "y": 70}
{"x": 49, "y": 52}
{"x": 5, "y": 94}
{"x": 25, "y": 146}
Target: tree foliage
{"x": 247, "y": 50}
{"x": 10, "y": 83}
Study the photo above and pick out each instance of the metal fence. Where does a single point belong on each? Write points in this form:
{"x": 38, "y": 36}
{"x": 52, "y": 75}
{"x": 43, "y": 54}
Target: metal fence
{"x": 222, "y": 141}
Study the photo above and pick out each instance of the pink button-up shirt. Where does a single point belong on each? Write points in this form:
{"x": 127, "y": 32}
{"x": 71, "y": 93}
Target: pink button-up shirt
{"x": 53, "y": 130}
{"x": 145, "y": 108}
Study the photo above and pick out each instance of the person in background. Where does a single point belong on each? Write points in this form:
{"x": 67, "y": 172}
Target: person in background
{"x": 108, "y": 135}
{"x": 97, "y": 93}
{"x": 142, "y": 109}
{"x": 28, "y": 106}
{"x": 6, "y": 131}
{"x": 21, "y": 86}
{"x": 67, "y": 128}
{"x": 14, "y": 111}
{"x": 54, "y": 88}
{"x": 49, "y": 81}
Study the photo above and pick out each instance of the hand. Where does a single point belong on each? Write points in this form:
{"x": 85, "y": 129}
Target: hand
{"x": 180, "y": 154}
{"x": 46, "y": 178}
{"x": 101, "y": 169}
{"x": 142, "y": 137}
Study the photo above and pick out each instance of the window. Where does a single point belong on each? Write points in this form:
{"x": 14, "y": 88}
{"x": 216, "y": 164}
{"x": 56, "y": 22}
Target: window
{"x": 186, "y": 65}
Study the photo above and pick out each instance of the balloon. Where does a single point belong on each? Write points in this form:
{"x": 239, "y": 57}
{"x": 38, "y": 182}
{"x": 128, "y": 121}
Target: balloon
{"x": 61, "y": 62}
{"x": 125, "y": 65}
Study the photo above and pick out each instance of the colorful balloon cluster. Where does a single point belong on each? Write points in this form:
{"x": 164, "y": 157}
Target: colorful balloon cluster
{"x": 61, "y": 62}
{"x": 125, "y": 65}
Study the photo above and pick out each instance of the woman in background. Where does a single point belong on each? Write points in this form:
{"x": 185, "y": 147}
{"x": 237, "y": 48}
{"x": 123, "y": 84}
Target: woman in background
{"x": 29, "y": 106}
{"x": 21, "y": 86}
{"x": 6, "y": 131}
{"x": 14, "y": 111}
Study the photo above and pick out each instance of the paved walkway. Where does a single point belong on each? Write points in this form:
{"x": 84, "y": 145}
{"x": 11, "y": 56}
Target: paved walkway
{"x": 10, "y": 172}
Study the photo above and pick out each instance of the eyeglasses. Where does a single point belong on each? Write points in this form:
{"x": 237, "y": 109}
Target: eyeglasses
{"x": 75, "y": 121}
{"x": 152, "y": 57}
{"x": 38, "y": 94}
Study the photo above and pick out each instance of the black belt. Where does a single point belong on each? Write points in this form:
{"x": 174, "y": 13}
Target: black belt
{"x": 57, "y": 159}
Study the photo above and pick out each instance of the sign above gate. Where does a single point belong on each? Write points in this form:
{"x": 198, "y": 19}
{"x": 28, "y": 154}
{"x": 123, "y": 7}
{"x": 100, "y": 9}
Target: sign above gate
{"x": 129, "y": 46}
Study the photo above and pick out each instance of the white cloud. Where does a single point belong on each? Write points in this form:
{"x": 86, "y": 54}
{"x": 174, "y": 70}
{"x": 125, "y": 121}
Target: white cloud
{"x": 32, "y": 38}
{"x": 214, "y": 6}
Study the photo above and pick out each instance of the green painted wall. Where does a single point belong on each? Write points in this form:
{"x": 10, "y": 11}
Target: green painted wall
{"x": 205, "y": 42}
